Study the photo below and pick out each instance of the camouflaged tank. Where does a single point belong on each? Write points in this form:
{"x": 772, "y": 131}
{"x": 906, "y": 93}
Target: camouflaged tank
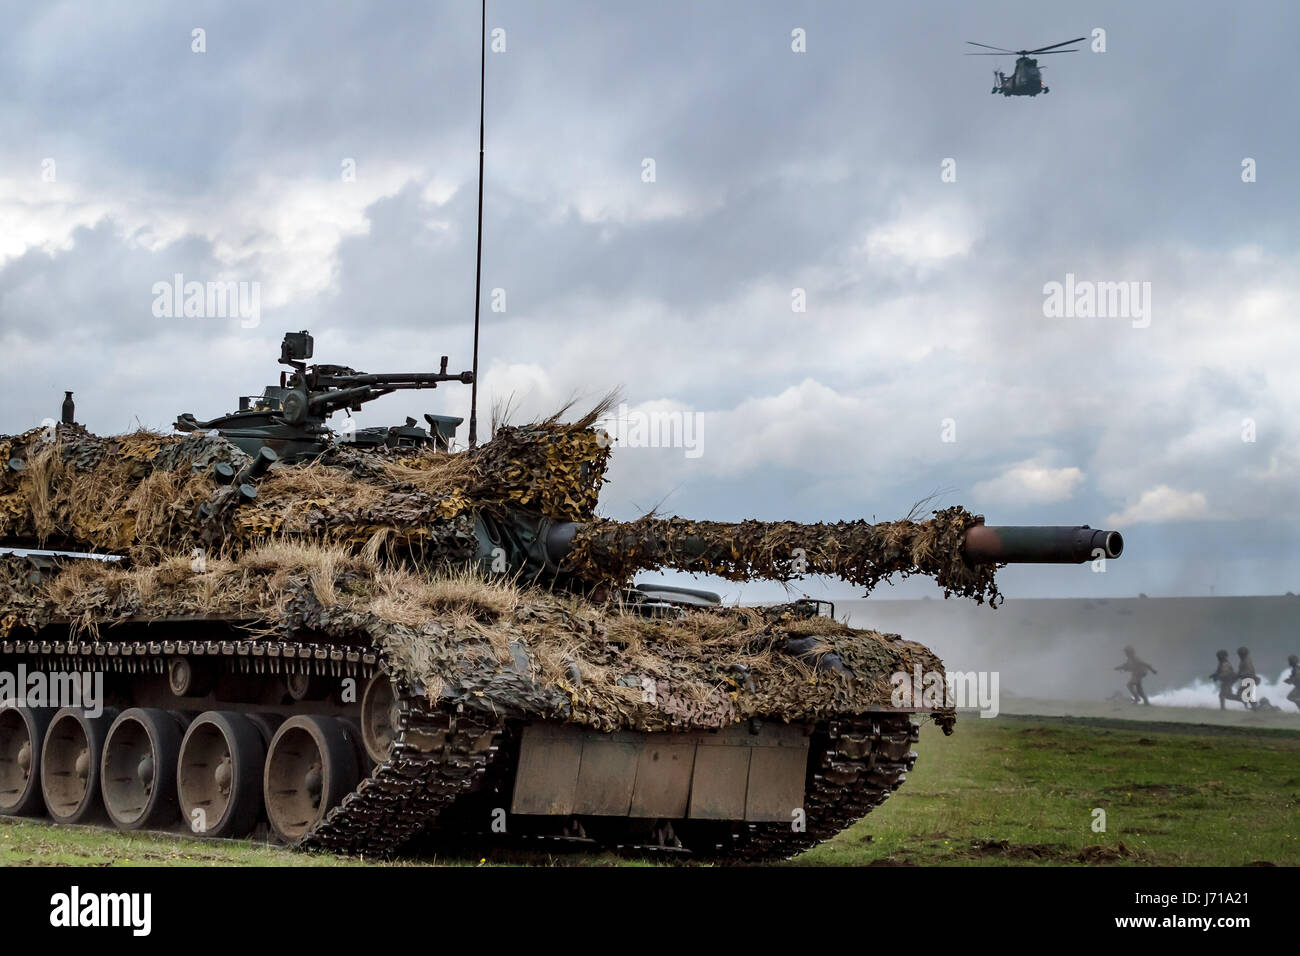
{"x": 350, "y": 643}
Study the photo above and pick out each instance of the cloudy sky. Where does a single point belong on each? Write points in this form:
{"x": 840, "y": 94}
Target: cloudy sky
{"x": 328, "y": 153}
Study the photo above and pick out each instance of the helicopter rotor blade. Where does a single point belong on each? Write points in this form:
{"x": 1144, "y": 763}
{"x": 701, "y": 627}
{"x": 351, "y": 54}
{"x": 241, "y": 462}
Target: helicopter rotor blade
{"x": 1050, "y": 52}
{"x": 987, "y": 54}
{"x": 987, "y": 47}
{"x": 1053, "y": 46}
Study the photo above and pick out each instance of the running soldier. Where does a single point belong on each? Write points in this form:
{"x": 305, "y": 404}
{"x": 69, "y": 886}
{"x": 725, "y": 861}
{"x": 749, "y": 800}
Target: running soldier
{"x": 1248, "y": 679}
{"x": 1225, "y": 677}
{"x": 1137, "y": 669}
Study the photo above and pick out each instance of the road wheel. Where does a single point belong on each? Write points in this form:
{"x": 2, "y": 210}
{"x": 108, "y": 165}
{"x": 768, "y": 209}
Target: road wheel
{"x": 70, "y": 761}
{"x": 310, "y": 768}
{"x": 379, "y": 717}
{"x": 219, "y": 774}
{"x": 138, "y": 769}
{"x": 22, "y": 731}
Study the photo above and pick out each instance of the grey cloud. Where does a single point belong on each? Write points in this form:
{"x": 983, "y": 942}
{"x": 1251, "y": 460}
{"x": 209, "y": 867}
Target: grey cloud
{"x": 775, "y": 167}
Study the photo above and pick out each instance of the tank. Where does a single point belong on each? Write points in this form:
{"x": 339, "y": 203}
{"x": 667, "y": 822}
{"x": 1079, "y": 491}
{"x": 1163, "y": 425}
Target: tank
{"x": 259, "y": 625}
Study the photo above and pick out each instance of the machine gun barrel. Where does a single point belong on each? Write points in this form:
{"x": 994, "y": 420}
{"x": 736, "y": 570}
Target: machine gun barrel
{"x": 403, "y": 379}
{"x": 343, "y": 391}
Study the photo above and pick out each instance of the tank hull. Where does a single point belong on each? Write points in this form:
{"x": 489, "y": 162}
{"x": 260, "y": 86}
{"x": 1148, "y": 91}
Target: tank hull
{"x": 761, "y": 789}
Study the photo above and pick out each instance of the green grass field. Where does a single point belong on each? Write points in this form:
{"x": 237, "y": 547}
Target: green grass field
{"x": 1021, "y": 790}
{"x": 1007, "y": 791}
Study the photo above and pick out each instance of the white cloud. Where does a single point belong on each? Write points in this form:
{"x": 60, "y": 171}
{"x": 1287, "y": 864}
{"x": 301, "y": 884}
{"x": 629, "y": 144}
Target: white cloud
{"x": 800, "y": 426}
{"x": 1161, "y": 504}
{"x": 284, "y": 231}
{"x": 926, "y": 238}
{"x": 923, "y": 298}
{"x": 1029, "y": 482}
{"x": 42, "y": 216}
{"x": 631, "y": 201}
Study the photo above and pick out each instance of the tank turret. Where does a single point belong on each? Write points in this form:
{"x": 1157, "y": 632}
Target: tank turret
{"x": 522, "y": 505}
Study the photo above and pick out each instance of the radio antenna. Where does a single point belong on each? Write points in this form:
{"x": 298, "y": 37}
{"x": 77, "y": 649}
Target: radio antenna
{"x": 478, "y": 267}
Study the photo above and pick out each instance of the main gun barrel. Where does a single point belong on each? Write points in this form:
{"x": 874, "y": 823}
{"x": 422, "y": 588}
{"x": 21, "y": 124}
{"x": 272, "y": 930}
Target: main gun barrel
{"x": 1040, "y": 544}
{"x": 984, "y": 544}
{"x": 954, "y": 547}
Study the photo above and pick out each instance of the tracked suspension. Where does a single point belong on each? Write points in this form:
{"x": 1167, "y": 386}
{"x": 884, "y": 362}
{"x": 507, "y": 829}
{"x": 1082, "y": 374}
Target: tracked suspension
{"x": 442, "y": 753}
{"x": 437, "y": 757}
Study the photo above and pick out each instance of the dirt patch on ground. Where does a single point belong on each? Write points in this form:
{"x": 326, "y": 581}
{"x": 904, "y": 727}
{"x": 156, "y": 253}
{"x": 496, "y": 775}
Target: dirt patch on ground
{"x": 1101, "y": 853}
{"x": 1020, "y": 851}
{"x": 1152, "y": 789}
{"x": 1054, "y": 852}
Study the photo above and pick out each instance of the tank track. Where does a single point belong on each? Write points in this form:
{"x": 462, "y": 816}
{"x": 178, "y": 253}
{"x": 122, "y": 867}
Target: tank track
{"x": 442, "y": 754}
{"x": 855, "y": 764}
{"x": 437, "y": 757}
{"x": 260, "y": 656}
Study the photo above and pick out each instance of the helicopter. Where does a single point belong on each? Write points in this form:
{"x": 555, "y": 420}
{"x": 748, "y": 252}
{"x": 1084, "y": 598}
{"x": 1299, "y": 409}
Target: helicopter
{"x": 1027, "y": 80}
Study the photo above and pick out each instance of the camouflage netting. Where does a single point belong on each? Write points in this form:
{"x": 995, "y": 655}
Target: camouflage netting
{"x": 146, "y": 492}
{"x": 854, "y": 551}
{"x": 495, "y": 647}
{"x": 74, "y": 488}
{"x": 548, "y": 469}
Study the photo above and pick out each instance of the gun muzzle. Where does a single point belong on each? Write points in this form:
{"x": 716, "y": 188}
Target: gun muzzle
{"x": 1030, "y": 544}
